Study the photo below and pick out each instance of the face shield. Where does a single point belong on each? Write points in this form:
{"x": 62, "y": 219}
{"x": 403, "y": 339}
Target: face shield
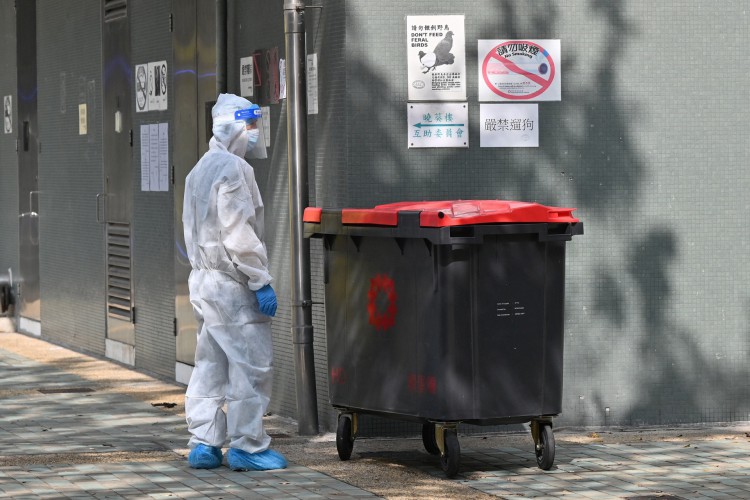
{"x": 252, "y": 119}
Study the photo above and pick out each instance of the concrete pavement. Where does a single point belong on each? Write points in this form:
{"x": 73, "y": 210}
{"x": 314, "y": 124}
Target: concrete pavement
{"x": 74, "y": 426}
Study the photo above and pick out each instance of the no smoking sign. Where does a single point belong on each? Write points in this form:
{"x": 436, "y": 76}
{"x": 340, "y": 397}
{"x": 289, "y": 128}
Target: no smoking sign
{"x": 519, "y": 70}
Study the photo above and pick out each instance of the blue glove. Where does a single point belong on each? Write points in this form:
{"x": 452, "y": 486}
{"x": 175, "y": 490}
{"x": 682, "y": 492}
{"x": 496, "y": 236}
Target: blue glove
{"x": 267, "y": 300}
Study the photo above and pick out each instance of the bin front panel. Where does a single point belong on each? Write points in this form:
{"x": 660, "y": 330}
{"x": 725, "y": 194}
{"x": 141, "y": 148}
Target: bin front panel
{"x": 371, "y": 324}
{"x": 509, "y": 326}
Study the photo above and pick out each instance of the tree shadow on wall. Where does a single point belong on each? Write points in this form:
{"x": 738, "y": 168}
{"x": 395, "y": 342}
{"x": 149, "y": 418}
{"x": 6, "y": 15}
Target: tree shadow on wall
{"x": 680, "y": 380}
{"x": 594, "y": 151}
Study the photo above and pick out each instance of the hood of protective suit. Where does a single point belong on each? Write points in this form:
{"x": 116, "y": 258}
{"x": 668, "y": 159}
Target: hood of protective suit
{"x": 230, "y": 133}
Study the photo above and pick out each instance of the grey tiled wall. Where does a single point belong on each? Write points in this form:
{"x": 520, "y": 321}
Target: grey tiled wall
{"x": 648, "y": 142}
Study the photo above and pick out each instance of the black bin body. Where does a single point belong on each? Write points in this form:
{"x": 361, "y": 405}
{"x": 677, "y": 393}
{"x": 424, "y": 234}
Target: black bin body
{"x": 457, "y": 322}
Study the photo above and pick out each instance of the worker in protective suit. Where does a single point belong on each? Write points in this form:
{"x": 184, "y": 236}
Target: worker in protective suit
{"x": 231, "y": 294}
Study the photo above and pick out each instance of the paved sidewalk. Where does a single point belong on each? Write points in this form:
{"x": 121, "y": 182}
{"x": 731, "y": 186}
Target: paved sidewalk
{"x": 63, "y": 438}
{"x": 73, "y": 426}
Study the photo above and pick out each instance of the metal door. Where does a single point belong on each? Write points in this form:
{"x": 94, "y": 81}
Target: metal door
{"x": 195, "y": 89}
{"x": 28, "y": 169}
{"x": 115, "y": 202}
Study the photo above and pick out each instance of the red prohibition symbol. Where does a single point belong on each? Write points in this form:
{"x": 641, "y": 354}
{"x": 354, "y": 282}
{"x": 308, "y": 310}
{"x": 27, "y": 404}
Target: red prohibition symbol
{"x": 510, "y": 66}
{"x": 382, "y": 320}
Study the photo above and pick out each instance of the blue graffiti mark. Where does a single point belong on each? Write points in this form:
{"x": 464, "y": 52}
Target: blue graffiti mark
{"x": 180, "y": 249}
{"x": 28, "y": 97}
{"x": 120, "y": 66}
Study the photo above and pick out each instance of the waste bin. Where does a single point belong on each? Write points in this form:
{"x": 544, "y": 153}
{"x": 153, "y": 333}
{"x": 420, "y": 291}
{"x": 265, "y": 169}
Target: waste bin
{"x": 7, "y": 298}
{"x": 444, "y": 312}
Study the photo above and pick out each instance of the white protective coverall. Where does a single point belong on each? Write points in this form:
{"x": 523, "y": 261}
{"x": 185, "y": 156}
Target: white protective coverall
{"x": 223, "y": 223}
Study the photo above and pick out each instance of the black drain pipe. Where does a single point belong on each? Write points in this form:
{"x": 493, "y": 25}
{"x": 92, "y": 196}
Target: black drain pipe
{"x": 302, "y": 329}
{"x": 221, "y": 46}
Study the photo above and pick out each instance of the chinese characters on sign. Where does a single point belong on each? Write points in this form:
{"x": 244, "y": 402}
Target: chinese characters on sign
{"x": 438, "y": 125}
{"x": 511, "y": 71}
{"x": 155, "y": 157}
{"x": 436, "y": 58}
{"x": 503, "y": 124}
{"x": 312, "y": 84}
{"x": 246, "y": 76}
{"x": 265, "y": 124}
{"x": 509, "y": 126}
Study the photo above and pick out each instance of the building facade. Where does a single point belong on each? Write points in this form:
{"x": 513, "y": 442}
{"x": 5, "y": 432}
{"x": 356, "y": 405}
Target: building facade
{"x": 651, "y": 151}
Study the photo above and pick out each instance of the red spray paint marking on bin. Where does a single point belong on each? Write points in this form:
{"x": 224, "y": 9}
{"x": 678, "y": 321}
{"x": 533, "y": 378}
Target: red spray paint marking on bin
{"x": 338, "y": 375}
{"x": 421, "y": 384}
{"x": 382, "y": 283}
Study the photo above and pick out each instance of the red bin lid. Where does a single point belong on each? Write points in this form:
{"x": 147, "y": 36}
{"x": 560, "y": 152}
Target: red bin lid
{"x": 458, "y": 213}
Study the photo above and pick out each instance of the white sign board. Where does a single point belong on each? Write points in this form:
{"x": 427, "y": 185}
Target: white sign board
{"x": 282, "y": 79}
{"x": 151, "y": 89}
{"x": 83, "y": 126}
{"x": 312, "y": 84}
{"x": 508, "y": 125}
{"x": 141, "y": 88}
{"x": 157, "y": 85}
{"x": 155, "y": 157}
{"x": 436, "y": 58}
{"x": 246, "y": 76}
{"x": 519, "y": 70}
{"x": 265, "y": 124}
{"x": 438, "y": 125}
{"x": 8, "y": 114}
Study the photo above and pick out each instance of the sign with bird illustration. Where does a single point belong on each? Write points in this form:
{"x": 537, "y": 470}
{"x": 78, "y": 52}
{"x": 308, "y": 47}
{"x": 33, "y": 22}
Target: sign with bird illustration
{"x": 436, "y": 58}
{"x": 519, "y": 70}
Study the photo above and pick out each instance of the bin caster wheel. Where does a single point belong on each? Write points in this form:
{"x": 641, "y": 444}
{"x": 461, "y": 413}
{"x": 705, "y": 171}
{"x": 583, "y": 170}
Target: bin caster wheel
{"x": 545, "y": 449}
{"x": 344, "y": 437}
{"x": 428, "y": 439}
{"x": 450, "y": 459}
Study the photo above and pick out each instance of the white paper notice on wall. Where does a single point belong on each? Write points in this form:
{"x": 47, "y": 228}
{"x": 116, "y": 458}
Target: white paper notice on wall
{"x": 266, "y": 124}
{"x": 153, "y": 153}
{"x": 509, "y": 125}
{"x": 158, "y": 85}
{"x": 438, "y": 124}
{"x": 246, "y": 76}
{"x": 436, "y": 58}
{"x": 151, "y": 87}
{"x": 163, "y": 156}
{"x": 519, "y": 70}
{"x": 83, "y": 126}
{"x": 8, "y": 114}
{"x": 282, "y": 79}
{"x": 141, "y": 88}
{"x": 312, "y": 84}
{"x": 155, "y": 157}
{"x": 145, "y": 159}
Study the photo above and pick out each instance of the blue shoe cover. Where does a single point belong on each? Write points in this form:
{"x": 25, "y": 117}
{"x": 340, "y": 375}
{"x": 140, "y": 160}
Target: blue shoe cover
{"x": 205, "y": 457}
{"x": 264, "y": 460}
